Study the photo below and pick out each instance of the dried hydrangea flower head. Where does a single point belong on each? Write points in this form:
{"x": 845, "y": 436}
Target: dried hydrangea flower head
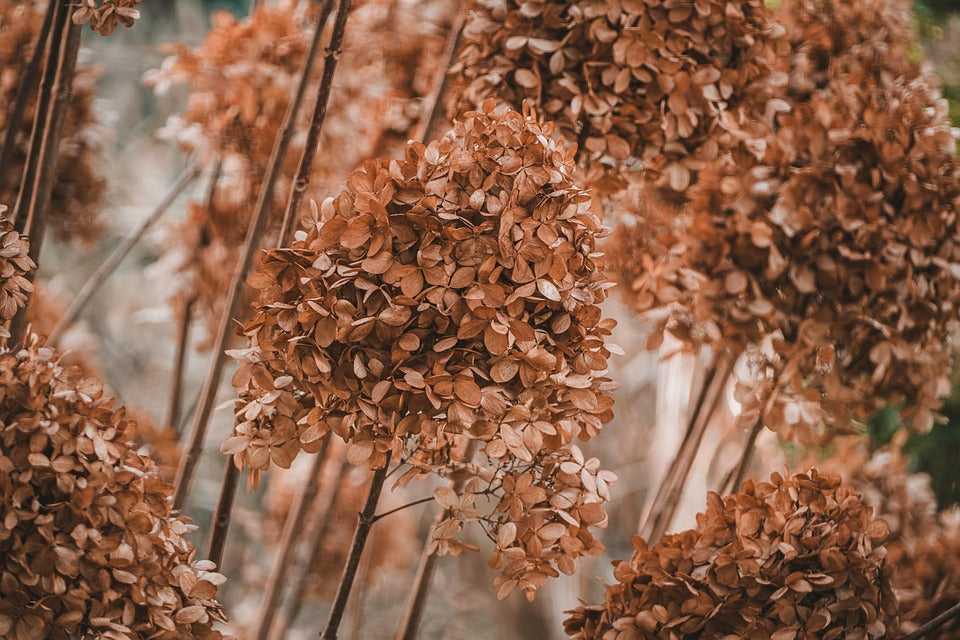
{"x": 924, "y": 546}
{"x": 796, "y": 557}
{"x": 87, "y": 541}
{"x": 78, "y": 188}
{"x": 15, "y": 263}
{"x": 637, "y": 83}
{"x": 836, "y": 257}
{"x": 241, "y": 79}
{"x": 105, "y": 15}
{"x": 449, "y": 296}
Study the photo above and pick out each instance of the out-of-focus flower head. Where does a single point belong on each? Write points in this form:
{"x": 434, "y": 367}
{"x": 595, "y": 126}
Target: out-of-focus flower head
{"x": 87, "y": 540}
{"x": 639, "y": 84}
{"x": 78, "y": 187}
{"x": 800, "y": 556}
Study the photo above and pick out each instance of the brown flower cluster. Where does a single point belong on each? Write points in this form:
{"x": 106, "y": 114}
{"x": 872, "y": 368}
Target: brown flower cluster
{"x": 835, "y": 258}
{"x": 241, "y": 79}
{"x": 924, "y": 546}
{"x": 15, "y": 263}
{"x": 105, "y": 15}
{"x": 88, "y": 546}
{"x": 445, "y": 297}
{"x": 78, "y": 188}
{"x": 639, "y": 84}
{"x": 796, "y": 557}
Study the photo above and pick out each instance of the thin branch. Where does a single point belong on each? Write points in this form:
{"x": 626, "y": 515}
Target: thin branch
{"x": 671, "y": 490}
{"x": 221, "y": 518}
{"x": 322, "y": 523}
{"x": 417, "y": 600}
{"x": 739, "y": 472}
{"x": 110, "y": 264}
{"x": 434, "y": 103}
{"x": 175, "y": 402}
{"x": 380, "y": 516}
{"x": 292, "y": 529}
{"x": 208, "y": 395}
{"x": 364, "y": 523}
{"x": 34, "y": 197}
{"x": 942, "y": 619}
{"x": 331, "y": 57}
{"x": 24, "y": 87}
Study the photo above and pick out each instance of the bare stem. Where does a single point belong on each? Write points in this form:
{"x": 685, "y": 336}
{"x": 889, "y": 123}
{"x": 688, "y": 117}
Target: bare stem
{"x": 24, "y": 88}
{"x": 360, "y": 535}
{"x": 322, "y": 523}
{"x": 942, "y": 619}
{"x": 434, "y": 104}
{"x": 671, "y": 489}
{"x": 221, "y": 518}
{"x": 739, "y": 472}
{"x": 175, "y": 403}
{"x": 292, "y": 528}
{"x": 417, "y": 600}
{"x": 332, "y": 55}
{"x": 110, "y": 264}
{"x": 208, "y": 395}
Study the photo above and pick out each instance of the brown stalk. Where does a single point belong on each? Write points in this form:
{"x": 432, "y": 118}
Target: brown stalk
{"x": 221, "y": 517}
{"x": 936, "y": 623}
{"x": 319, "y": 530}
{"x": 429, "y": 117}
{"x": 175, "y": 403}
{"x": 292, "y": 529}
{"x": 251, "y": 243}
{"x": 360, "y": 534}
{"x": 417, "y": 600}
{"x": 671, "y": 489}
{"x": 24, "y": 88}
{"x": 110, "y": 264}
{"x": 737, "y": 474}
{"x": 30, "y": 214}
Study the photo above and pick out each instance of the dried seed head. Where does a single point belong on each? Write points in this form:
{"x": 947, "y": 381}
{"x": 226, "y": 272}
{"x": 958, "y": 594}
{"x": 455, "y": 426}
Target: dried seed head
{"x": 651, "y": 85}
{"x": 105, "y": 15}
{"x": 782, "y": 559}
{"x": 835, "y": 256}
{"x": 87, "y": 541}
{"x": 449, "y": 296}
{"x": 78, "y": 187}
{"x": 924, "y": 546}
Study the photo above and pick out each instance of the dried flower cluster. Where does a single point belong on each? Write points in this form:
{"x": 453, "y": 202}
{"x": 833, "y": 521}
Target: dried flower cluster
{"x": 835, "y": 258}
{"x": 639, "y": 84}
{"x": 105, "y": 15}
{"x": 446, "y": 297}
{"x": 241, "y": 79}
{"x": 15, "y": 263}
{"x": 88, "y": 546}
{"x": 924, "y": 546}
{"x": 796, "y": 557}
{"x": 78, "y": 188}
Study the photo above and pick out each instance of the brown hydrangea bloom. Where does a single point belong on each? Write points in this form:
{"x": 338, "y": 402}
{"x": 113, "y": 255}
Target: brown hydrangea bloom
{"x": 447, "y": 297}
{"x": 924, "y": 546}
{"x": 836, "y": 257}
{"x": 105, "y": 15}
{"x": 78, "y": 189}
{"x": 796, "y": 557}
{"x": 88, "y": 546}
{"x": 240, "y": 82}
{"x": 15, "y": 263}
{"x": 639, "y": 84}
